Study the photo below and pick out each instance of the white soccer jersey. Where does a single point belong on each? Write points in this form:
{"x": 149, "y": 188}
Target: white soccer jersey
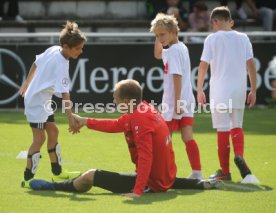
{"x": 177, "y": 61}
{"x": 51, "y": 77}
{"x": 227, "y": 53}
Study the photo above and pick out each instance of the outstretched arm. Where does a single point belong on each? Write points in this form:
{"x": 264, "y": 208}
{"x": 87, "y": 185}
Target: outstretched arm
{"x": 102, "y": 125}
{"x": 27, "y": 82}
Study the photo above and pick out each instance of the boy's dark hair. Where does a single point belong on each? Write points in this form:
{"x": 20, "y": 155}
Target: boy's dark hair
{"x": 71, "y": 35}
{"x": 221, "y": 13}
{"x": 129, "y": 89}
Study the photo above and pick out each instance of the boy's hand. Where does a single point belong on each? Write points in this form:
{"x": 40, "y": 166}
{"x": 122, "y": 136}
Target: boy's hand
{"x": 251, "y": 98}
{"x": 23, "y": 89}
{"x": 178, "y": 110}
{"x": 131, "y": 195}
{"x": 74, "y": 127}
{"x": 201, "y": 98}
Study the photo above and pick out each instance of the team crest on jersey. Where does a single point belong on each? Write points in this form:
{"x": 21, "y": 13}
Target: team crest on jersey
{"x": 65, "y": 82}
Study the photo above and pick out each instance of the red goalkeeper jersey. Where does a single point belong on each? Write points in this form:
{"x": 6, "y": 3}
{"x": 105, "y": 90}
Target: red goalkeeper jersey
{"x": 149, "y": 143}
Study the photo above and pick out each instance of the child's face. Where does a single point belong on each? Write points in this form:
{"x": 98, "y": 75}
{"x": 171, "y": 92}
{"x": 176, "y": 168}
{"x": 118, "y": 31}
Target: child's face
{"x": 165, "y": 37}
{"x": 75, "y": 51}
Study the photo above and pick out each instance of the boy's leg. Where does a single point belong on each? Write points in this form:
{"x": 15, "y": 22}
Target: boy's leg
{"x": 224, "y": 150}
{"x": 53, "y": 146}
{"x": 34, "y": 150}
{"x": 184, "y": 183}
{"x": 221, "y": 122}
{"x": 237, "y": 131}
{"x": 238, "y": 141}
{"x": 111, "y": 181}
{"x": 192, "y": 150}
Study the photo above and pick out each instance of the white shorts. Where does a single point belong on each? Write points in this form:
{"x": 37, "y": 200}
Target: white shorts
{"x": 227, "y": 120}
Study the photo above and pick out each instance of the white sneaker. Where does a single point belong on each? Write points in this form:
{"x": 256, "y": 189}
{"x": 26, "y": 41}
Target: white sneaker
{"x": 250, "y": 179}
{"x": 196, "y": 174}
{"x": 18, "y": 18}
{"x": 242, "y": 14}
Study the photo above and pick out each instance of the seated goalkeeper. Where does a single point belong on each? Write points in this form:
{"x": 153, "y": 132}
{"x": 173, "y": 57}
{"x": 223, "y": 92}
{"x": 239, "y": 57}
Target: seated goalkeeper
{"x": 149, "y": 143}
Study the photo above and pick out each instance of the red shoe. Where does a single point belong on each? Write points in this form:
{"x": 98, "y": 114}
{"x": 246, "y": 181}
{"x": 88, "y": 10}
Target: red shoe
{"x": 219, "y": 176}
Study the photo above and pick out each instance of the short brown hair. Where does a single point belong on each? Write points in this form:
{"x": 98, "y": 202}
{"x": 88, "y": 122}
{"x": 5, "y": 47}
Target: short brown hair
{"x": 221, "y": 13}
{"x": 71, "y": 35}
{"x": 129, "y": 89}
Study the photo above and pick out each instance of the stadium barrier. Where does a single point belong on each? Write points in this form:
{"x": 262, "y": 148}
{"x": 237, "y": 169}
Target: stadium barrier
{"x": 94, "y": 74}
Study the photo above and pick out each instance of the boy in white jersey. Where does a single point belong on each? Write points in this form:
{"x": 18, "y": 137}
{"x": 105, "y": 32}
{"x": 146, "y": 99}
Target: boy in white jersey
{"x": 49, "y": 75}
{"x": 230, "y": 56}
{"x": 178, "y": 99}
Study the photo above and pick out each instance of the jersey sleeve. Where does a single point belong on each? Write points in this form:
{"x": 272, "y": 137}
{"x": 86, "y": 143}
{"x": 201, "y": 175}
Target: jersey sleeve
{"x": 164, "y": 55}
{"x": 62, "y": 84}
{"x": 142, "y": 131}
{"x": 174, "y": 61}
{"x": 207, "y": 51}
{"x": 39, "y": 59}
{"x": 249, "y": 49}
{"x": 107, "y": 125}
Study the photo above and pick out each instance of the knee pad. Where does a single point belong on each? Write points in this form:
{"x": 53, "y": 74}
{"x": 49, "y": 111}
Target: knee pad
{"x": 35, "y": 161}
{"x": 57, "y": 152}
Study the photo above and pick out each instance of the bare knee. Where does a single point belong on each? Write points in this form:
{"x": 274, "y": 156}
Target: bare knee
{"x": 186, "y": 135}
{"x": 52, "y": 130}
{"x": 88, "y": 177}
{"x": 85, "y": 182}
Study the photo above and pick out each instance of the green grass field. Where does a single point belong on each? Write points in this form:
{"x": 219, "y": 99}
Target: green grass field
{"x": 91, "y": 149}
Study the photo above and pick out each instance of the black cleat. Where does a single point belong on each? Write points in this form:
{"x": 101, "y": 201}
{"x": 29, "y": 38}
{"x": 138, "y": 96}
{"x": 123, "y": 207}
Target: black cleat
{"x": 240, "y": 163}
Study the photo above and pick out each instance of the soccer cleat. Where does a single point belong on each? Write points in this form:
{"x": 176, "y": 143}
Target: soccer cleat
{"x": 196, "y": 175}
{"x": 26, "y": 183}
{"x": 219, "y": 176}
{"x": 66, "y": 176}
{"x": 38, "y": 184}
{"x": 212, "y": 184}
{"x": 240, "y": 163}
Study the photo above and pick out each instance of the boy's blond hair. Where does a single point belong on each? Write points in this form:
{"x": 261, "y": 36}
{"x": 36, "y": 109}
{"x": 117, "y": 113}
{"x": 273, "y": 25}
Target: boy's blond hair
{"x": 71, "y": 35}
{"x": 168, "y": 22}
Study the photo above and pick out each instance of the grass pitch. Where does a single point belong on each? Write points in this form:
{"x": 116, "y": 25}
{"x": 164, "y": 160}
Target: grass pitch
{"x": 91, "y": 149}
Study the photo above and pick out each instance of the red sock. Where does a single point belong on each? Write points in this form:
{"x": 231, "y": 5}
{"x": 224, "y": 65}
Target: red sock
{"x": 224, "y": 151}
{"x": 193, "y": 155}
{"x": 237, "y": 140}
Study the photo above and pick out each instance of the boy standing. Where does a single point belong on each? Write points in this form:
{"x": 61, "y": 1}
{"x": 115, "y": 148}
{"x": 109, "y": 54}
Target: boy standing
{"x": 49, "y": 75}
{"x": 230, "y": 55}
{"x": 177, "y": 85}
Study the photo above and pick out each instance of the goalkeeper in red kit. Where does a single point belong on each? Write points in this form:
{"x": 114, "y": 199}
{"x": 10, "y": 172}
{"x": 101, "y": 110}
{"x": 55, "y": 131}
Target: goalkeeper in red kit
{"x": 149, "y": 143}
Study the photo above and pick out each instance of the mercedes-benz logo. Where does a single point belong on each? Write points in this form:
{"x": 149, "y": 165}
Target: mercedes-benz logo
{"x": 6, "y": 77}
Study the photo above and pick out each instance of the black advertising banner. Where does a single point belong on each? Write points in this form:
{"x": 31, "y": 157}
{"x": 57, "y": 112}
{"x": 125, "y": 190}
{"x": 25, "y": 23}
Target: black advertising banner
{"x": 94, "y": 74}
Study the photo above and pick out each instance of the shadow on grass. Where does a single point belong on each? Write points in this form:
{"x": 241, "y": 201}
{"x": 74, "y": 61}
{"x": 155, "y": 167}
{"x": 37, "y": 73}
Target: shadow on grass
{"x": 72, "y": 196}
{"x": 239, "y": 187}
{"x": 150, "y": 198}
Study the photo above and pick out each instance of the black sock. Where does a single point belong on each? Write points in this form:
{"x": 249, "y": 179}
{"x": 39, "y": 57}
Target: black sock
{"x": 185, "y": 183}
{"x": 56, "y": 168}
{"x": 66, "y": 186}
{"x": 28, "y": 174}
